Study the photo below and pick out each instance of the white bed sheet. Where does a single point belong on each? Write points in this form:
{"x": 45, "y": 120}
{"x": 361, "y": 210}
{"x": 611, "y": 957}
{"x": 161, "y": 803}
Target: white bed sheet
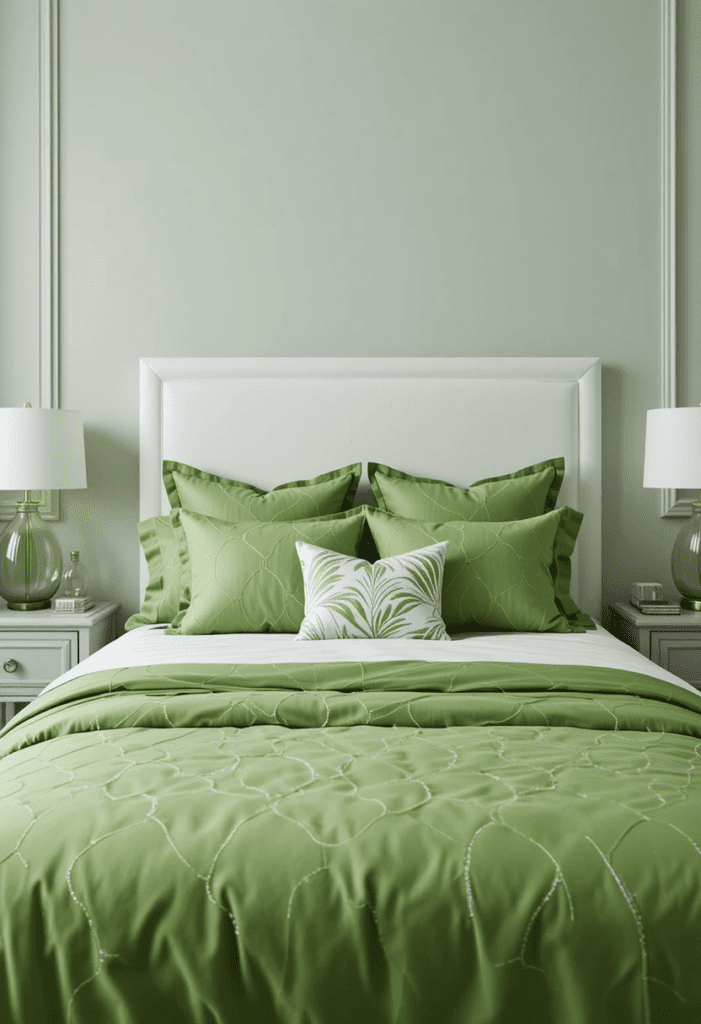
{"x": 148, "y": 645}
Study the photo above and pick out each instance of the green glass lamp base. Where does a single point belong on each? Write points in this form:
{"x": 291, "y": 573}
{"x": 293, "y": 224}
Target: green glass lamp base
{"x": 28, "y": 606}
{"x": 30, "y": 560}
{"x": 686, "y": 561}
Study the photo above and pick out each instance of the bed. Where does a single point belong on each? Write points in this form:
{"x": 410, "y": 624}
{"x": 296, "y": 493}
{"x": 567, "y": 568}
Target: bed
{"x": 206, "y": 823}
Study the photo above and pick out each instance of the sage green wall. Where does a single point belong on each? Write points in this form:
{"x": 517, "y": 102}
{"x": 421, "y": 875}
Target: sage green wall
{"x": 354, "y": 177}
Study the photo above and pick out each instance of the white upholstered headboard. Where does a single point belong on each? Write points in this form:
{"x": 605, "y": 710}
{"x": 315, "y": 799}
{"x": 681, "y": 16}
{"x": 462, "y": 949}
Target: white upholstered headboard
{"x": 269, "y": 420}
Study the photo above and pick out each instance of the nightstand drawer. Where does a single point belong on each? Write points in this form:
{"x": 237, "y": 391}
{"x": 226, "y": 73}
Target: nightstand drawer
{"x": 678, "y": 652}
{"x": 29, "y": 663}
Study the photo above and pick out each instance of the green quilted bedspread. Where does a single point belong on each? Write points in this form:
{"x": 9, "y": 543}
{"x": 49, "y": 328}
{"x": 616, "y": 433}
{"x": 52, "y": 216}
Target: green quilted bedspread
{"x": 404, "y": 842}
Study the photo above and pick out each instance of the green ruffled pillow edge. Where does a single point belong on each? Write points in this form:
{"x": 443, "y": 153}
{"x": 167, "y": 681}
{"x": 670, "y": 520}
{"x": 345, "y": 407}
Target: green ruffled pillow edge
{"x": 354, "y": 470}
{"x": 162, "y": 597}
{"x": 558, "y": 464}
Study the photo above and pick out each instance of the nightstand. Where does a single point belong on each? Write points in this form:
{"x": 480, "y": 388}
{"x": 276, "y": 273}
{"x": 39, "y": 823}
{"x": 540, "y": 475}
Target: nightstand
{"x": 671, "y": 641}
{"x": 36, "y": 647}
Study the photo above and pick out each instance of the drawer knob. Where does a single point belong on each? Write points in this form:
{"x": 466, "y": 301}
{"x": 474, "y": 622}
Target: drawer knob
{"x": 10, "y": 665}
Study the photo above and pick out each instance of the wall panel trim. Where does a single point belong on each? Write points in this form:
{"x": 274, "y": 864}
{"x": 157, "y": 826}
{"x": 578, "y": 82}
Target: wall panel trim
{"x": 49, "y": 396}
{"x": 670, "y": 504}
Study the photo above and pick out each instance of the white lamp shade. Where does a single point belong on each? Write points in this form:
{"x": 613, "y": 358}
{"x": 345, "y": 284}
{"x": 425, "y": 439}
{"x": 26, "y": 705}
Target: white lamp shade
{"x": 673, "y": 448}
{"x": 41, "y": 450}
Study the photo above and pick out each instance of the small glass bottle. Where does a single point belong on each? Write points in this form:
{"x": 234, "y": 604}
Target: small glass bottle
{"x": 75, "y": 578}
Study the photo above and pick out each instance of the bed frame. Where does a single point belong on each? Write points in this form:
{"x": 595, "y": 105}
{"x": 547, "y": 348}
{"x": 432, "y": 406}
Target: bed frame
{"x": 270, "y": 420}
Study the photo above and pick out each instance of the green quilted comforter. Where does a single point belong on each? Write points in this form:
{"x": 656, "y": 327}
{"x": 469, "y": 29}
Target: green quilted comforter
{"x": 400, "y": 842}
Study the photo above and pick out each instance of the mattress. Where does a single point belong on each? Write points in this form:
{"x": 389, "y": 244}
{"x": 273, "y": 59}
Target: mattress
{"x": 493, "y": 829}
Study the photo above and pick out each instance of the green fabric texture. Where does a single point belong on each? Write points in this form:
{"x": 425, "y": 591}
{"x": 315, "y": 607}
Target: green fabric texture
{"x": 220, "y": 498}
{"x": 346, "y": 598}
{"x": 215, "y": 496}
{"x": 246, "y": 577}
{"x": 512, "y": 575}
{"x": 379, "y": 842}
{"x": 521, "y": 495}
{"x": 162, "y": 596}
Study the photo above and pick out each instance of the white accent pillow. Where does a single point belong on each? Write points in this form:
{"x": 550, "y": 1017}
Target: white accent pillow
{"x": 347, "y": 598}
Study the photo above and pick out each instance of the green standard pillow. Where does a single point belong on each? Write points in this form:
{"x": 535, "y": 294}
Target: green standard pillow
{"x": 511, "y": 575}
{"x": 521, "y": 495}
{"x": 398, "y": 597}
{"x": 162, "y": 597}
{"x": 237, "y": 502}
{"x": 246, "y": 577}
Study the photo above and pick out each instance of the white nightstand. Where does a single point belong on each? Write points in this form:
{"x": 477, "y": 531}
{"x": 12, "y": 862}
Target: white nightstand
{"x": 36, "y": 647}
{"x": 671, "y": 641}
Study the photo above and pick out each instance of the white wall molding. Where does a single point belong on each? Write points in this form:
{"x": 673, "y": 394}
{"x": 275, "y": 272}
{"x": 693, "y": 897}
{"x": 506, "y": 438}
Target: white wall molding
{"x": 48, "y": 234}
{"x": 671, "y": 505}
{"x": 48, "y": 221}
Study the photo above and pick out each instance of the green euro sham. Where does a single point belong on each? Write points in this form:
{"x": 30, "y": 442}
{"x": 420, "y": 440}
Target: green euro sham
{"x": 246, "y": 577}
{"x": 521, "y": 495}
{"x": 162, "y": 597}
{"x": 237, "y": 502}
{"x": 511, "y": 575}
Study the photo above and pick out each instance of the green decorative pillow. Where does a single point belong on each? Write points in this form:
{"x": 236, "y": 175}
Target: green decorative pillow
{"x": 396, "y": 597}
{"x": 162, "y": 597}
{"x": 236, "y": 502}
{"x": 246, "y": 577}
{"x": 521, "y": 495}
{"x": 511, "y": 575}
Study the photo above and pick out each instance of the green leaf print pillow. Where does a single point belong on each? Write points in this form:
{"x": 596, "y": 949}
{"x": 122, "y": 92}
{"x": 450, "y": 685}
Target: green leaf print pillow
{"x": 346, "y": 598}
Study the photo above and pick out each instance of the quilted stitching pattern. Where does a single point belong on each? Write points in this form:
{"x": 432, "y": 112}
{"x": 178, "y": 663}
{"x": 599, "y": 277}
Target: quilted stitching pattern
{"x": 446, "y": 845}
{"x": 521, "y": 495}
{"x": 246, "y": 577}
{"x": 512, "y": 575}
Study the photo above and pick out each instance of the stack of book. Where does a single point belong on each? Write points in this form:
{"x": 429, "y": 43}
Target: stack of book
{"x": 73, "y": 604}
{"x": 658, "y": 607}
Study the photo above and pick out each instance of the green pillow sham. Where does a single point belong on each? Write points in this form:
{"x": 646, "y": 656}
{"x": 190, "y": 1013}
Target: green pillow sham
{"x": 161, "y": 549}
{"x": 237, "y": 502}
{"x": 246, "y": 577}
{"x": 521, "y": 495}
{"x": 511, "y": 575}
{"x": 216, "y": 496}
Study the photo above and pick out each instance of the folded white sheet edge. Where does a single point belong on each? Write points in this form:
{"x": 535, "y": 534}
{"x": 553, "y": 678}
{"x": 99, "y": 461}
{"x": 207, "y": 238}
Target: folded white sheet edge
{"x": 148, "y": 645}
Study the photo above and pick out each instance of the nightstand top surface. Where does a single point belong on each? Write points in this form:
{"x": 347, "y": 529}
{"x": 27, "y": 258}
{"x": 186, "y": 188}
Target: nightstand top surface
{"x": 685, "y": 619}
{"x": 47, "y": 618}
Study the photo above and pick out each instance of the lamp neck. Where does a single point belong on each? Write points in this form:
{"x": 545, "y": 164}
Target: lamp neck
{"x": 27, "y": 505}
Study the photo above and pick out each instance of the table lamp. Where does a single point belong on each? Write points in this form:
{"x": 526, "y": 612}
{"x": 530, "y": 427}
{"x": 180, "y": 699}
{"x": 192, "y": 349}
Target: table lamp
{"x": 40, "y": 450}
{"x": 673, "y": 459}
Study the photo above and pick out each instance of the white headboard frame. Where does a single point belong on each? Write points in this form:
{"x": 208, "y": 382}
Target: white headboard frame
{"x": 269, "y": 420}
